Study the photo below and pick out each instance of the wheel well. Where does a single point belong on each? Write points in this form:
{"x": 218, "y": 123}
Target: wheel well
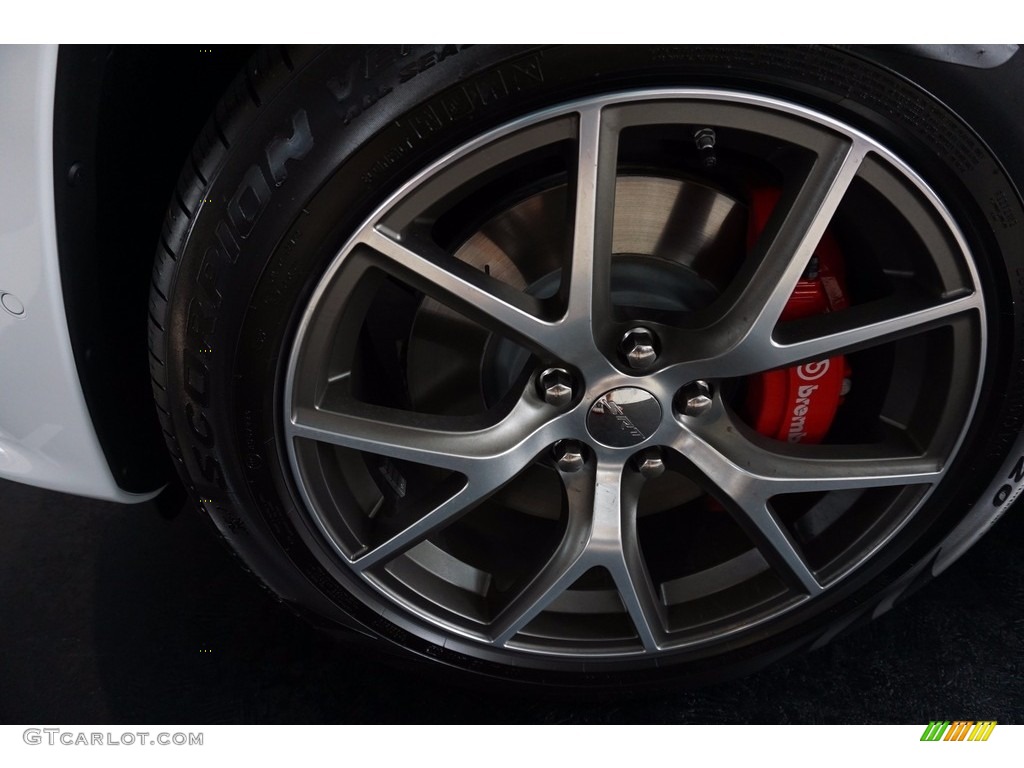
{"x": 125, "y": 120}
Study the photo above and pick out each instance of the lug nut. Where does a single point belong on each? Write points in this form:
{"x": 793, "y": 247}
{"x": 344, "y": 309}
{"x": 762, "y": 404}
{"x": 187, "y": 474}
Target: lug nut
{"x": 568, "y": 455}
{"x": 638, "y": 348}
{"x": 694, "y": 399}
{"x": 555, "y": 386}
{"x": 649, "y": 463}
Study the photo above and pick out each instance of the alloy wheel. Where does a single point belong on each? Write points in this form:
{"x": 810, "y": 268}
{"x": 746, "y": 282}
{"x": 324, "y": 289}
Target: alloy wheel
{"x": 515, "y": 404}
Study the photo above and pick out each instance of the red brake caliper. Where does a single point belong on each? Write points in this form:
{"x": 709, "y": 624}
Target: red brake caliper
{"x": 798, "y": 404}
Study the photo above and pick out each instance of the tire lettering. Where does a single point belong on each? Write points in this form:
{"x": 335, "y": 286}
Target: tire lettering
{"x": 423, "y": 123}
{"x": 457, "y": 105}
{"x": 296, "y": 147}
{"x": 379, "y": 57}
{"x": 206, "y": 277}
{"x": 199, "y": 323}
{"x": 228, "y": 243}
{"x": 352, "y": 108}
{"x": 491, "y": 87}
{"x": 428, "y": 60}
{"x": 1017, "y": 473}
{"x": 527, "y": 73}
{"x": 209, "y": 468}
{"x": 253, "y": 194}
{"x": 1002, "y": 210}
{"x": 248, "y": 202}
{"x": 196, "y": 379}
{"x": 243, "y": 210}
{"x": 200, "y": 426}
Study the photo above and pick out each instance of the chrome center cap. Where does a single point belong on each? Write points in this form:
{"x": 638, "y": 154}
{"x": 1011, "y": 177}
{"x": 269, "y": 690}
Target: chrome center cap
{"x": 624, "y": 417}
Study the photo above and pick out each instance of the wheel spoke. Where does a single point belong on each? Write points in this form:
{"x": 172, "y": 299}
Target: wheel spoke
{"x": 559, "y": 573}
{"x": 486, "y": 299}
{"x": 745, "y": 497}
{"x": 776, "y": 545}
{"x": 487, "y": 458}
{"x": 778, "y": 474}
{"x": 746, "y": 473}
{"x": 740, "y": 462}
{"x": 822, "y": 336}
{"x": 600, "y": 533}
{"x": 419, "y": 438}
{"x": 589, "y": 289}
{"x": 445, "y": 513}
{"x": 782, "y": 254}
{"x": 615, "y": 539}
{"x": 861, "y": 326}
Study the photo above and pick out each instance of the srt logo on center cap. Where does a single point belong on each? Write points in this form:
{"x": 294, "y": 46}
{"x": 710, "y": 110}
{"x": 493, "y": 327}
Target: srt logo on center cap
{"x": 624, "y": 417}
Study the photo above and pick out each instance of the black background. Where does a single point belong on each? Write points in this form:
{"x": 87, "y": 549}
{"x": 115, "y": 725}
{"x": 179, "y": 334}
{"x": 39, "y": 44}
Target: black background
{"x": 113, "y": 614}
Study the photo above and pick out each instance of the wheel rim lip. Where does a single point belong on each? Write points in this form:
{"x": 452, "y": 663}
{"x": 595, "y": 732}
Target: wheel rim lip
{"x": 603, "y": 378}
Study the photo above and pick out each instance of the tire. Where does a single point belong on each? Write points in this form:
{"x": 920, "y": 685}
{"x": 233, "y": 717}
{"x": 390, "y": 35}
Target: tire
{"x": 401, "y": 399}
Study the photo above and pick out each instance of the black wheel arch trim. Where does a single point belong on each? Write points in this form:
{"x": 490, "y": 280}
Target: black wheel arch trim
{"x": 125, "y": 119}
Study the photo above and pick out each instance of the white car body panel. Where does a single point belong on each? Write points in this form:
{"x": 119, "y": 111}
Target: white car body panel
{"x": 47, "y": 437}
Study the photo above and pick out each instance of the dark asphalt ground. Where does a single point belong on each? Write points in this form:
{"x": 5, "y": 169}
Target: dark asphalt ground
{"x": 112, "y": 614}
